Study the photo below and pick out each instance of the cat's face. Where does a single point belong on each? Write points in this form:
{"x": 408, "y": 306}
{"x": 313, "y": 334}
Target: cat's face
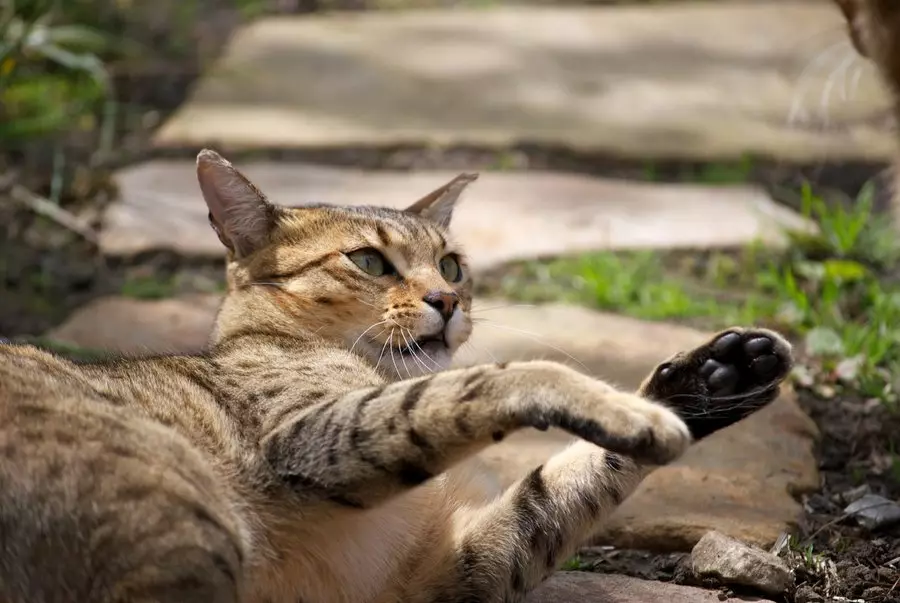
{"x": 390, "y": 285}
{"x": 874, "y": 29}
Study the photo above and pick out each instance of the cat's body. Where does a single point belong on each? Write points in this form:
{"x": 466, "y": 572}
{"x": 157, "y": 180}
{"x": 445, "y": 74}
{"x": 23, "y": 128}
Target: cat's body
{"x": 873, "y": 27}
{"x": 288, "y": 463}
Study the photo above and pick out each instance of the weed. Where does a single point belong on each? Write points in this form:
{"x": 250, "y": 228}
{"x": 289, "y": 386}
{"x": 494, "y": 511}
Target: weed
{"x": 833, "y": 289}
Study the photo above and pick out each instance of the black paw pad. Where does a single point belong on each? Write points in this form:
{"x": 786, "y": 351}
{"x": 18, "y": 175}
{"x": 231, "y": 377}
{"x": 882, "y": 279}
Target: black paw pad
{"x": 724, "y": 347}
{"x": 764, "y": 366}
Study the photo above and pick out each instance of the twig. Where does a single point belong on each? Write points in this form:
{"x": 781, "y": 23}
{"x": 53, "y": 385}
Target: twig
{"x": 48, "y": 209}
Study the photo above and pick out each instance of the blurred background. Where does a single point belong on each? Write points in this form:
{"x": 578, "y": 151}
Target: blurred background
{"x": 687, "y": 163}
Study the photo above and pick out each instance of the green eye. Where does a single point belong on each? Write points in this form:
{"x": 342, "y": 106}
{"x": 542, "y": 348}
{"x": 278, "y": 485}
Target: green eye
{"x": 371, "y": 262}
{"x": 450, "y": 269}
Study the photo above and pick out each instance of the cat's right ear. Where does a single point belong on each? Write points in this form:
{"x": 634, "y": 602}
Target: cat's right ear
{"x": 849, "y": 8}
{"x": 438, "y": 204}
{"x": 239, "y": 213}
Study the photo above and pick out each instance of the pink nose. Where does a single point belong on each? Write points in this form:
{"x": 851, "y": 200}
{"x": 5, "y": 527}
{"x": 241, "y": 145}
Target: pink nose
{"x": 442, "y": 301}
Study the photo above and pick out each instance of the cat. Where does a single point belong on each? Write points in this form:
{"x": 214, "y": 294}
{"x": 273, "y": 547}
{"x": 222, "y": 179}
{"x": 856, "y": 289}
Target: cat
{"x": 292, "y": 461}
{"x": 873, "y": 27}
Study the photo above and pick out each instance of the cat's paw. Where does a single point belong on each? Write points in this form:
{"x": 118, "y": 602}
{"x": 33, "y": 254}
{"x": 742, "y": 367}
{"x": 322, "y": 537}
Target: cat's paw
{"x": 724, "y": 380}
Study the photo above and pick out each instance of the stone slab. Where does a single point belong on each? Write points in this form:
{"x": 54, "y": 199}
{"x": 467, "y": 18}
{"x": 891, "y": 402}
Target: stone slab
{"x": 137, "y": 327}
{"x": 740, "y": 481}
{"x": 692, "y": 80}
{"x": 585, "y": 587}
{"x": 503, "y": 216}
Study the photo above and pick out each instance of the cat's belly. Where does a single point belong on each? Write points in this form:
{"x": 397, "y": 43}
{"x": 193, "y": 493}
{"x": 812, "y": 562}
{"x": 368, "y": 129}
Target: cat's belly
{"x": 351, "y": 556}
{"x": 365, "y": 557}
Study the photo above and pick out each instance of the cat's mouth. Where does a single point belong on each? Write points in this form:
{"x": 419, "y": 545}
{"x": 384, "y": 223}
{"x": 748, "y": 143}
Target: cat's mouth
{"x": 426, "y": 344}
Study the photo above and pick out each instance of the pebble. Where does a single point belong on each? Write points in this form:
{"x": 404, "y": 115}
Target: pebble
{"x": 733, "y": 562}
{"x": 874, "y": 512}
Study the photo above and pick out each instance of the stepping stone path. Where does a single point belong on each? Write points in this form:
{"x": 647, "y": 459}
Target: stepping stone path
{"x": 686, "y": 80}
{"x": 503, "y": 217}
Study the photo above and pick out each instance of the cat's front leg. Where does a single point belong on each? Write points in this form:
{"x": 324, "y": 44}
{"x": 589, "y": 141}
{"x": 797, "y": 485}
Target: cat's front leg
{"x": 502, "y": 551}
{"x": 367, "y": 446}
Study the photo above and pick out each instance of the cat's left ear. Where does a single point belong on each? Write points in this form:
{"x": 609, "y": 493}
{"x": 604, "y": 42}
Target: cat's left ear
{"x": 438, "y": 204}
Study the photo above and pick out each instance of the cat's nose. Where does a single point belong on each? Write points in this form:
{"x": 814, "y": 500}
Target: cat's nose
{"x": 442, "y": 301}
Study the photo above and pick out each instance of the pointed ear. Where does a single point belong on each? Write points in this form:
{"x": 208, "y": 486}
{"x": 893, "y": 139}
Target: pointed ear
{"x": 849, "y": 8}
{"x": 438, "y": 204}
{"x": 238, "y": 211}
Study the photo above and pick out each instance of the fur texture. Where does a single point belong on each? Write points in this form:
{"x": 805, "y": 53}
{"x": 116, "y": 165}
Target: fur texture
{"x": 311, "y": 453}
{"x": 873, "y": 27}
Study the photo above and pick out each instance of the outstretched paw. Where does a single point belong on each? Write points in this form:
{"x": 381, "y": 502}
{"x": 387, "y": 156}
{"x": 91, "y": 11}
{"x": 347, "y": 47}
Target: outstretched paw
{"x": 724, "y": 380}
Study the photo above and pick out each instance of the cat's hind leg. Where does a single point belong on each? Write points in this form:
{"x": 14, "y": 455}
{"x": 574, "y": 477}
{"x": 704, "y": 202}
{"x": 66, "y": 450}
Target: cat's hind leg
{"x": 100, "y": 507}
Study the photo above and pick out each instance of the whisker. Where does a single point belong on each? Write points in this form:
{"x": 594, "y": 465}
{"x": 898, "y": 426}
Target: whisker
{"x": 383, "y": 348}
{"x": 364, "y": 332}
{"x": 845, "y": 68}
{"x": 534, "y": 337}
{"x": 403, "y": 356}
{"x": 416, "y": 343}
{"x": 797, "y": 111}
{"x": 393, "y": 359}
{"x": 416, "y": 356}
{"x": 829, "y": 86}
{"x": 472, "y": 348}
{"x": 501, "y": 307}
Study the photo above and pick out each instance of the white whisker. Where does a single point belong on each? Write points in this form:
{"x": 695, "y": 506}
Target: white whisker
{"x": 403, "y": 356}
{"x": 829, "y": 86}
{"x": 473, "y": 351}
{"x": 857, "y": 75}
{"x": 502, "y": 307}
{"x": 393, "y": 359}
{"x": 364, "y": 332}
{"x": 797, "y": 112}
{"x": 845, "y": 68}
{"x": 383, "y": 348}
{"x": 415, "y": 356}
{"x": 436, "y": 365}
{"x": 534, "y": 337}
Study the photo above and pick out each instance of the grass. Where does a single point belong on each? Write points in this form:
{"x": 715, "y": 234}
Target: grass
{"x": 836, "y": 290}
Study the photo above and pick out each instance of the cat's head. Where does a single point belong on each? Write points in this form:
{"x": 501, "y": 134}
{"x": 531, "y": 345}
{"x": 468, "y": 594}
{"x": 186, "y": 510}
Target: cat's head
{"x": 874, "y": 29}
{"x": 389, "y": 284}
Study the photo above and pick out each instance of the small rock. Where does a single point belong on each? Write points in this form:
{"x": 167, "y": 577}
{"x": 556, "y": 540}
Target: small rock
{"x": 873, "y": 511}
{"x": 806, "y": 594}
{"x": 854, "y": 494}
{"x": 733, "y": 562}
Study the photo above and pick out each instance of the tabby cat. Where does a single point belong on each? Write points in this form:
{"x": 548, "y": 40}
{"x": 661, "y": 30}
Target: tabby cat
{"x": 874, "y": 30}
{"x": 293, "y": 462}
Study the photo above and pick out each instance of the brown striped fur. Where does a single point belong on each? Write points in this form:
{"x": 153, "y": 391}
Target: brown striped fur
{"x": 304, "y": 456}
{"x": 873, "y": 27}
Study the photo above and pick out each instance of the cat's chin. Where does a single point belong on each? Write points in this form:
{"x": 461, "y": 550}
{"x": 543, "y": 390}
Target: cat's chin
{"x": 423, "y": 358}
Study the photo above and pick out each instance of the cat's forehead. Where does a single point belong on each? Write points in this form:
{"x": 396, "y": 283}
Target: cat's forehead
{"x": 380, "y": 226}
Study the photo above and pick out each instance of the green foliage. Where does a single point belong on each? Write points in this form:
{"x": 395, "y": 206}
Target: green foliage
{"x": 835, "y": 289}
{"x": 51, "y": 73}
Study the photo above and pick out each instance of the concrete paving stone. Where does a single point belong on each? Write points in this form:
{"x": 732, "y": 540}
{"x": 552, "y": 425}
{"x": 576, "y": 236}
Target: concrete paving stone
{"x": 502, "y": 217}
{"x": 690, "y": 80}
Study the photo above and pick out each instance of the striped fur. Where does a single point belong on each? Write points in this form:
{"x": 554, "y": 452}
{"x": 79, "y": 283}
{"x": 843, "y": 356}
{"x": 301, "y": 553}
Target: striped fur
{"x": 312, "y": 453}
{"x": 873, "y": 27}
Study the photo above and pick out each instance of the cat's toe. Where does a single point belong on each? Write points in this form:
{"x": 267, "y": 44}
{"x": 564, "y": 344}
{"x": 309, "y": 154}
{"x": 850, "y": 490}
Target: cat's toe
{"x": 724, "y": 380}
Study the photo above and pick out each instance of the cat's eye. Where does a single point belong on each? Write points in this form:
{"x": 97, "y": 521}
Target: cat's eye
{"x": 450, "y": 269}
{"x": 371, "y": 262}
